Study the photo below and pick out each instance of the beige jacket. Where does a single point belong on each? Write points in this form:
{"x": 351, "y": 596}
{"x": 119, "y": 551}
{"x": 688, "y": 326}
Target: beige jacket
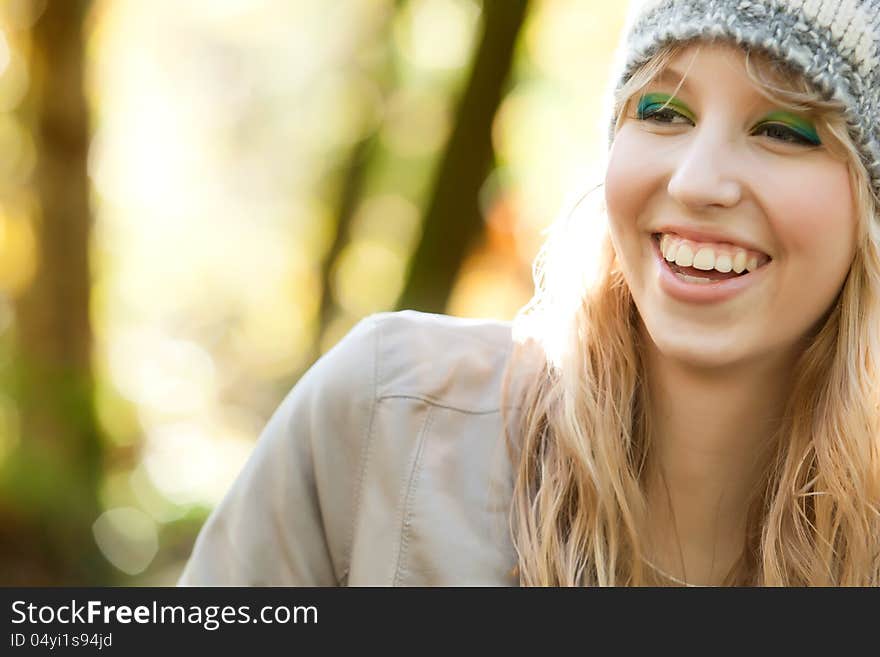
{"x": 384, "y": 465}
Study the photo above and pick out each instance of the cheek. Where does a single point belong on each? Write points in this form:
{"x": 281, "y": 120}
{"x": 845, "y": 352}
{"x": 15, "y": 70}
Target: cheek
{"x": 630, "y": 180}
{"x": 813, "y": 212}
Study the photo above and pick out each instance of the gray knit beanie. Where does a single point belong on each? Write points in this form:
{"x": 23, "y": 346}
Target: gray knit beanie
{"x": 834, "y": 43}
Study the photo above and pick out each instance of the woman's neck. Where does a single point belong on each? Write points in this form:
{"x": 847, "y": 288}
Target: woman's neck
{"x": 711, "y": 433}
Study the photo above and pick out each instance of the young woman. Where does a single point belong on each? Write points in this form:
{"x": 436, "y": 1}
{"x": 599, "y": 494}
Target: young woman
{"x": 702, "y": 410}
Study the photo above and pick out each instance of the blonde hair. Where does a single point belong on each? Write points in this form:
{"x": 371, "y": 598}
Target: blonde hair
{"x": 583, "y": 438}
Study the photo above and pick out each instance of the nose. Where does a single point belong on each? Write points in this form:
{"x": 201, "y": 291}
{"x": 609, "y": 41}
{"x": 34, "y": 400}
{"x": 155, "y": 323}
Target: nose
{"x": 705, "y": 172}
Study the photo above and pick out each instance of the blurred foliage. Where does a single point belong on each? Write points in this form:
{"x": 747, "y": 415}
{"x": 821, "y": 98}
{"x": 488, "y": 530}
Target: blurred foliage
{"x": 198, "y": 199}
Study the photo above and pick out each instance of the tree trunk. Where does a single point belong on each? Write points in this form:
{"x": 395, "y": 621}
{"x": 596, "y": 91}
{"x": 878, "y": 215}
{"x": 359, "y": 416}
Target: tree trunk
{"x": 354, "y": 177}
{"x": 452, "y": 220}
{"x": 56, "y": 470}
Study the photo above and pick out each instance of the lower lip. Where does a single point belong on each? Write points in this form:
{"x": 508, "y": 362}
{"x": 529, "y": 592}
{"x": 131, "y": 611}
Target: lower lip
{"x": 703, "y": 292}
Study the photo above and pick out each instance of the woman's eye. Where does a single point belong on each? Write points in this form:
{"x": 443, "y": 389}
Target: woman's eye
{"x": 662, "y": 114}
{"x": 782, "y": 132}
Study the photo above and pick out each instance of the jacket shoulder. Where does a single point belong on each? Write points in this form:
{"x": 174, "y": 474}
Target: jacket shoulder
{"x": 448, "y": 361}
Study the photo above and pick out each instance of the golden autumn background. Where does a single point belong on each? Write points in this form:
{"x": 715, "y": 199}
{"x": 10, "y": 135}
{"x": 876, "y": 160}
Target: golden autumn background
{"x": 198, "y": 199}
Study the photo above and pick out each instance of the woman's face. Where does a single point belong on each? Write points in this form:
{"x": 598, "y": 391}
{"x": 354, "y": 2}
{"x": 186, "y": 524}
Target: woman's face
{"x": 732, "y": 179}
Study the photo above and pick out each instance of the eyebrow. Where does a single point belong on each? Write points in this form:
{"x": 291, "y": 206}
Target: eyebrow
{"x": 673, "y": 76}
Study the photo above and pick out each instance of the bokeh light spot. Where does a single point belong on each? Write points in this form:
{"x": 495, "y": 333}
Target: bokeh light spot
{"x": 127, "y": 537}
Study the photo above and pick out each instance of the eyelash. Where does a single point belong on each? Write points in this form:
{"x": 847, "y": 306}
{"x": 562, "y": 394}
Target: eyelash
{"x": 797, "y": 138}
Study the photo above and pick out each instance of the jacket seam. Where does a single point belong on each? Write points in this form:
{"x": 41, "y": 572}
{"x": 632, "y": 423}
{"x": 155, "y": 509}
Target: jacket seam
{"x": 432, "y": 401}
{"x": 451, "y": 326}
{"x": 406, "y": 510}
{"x": 365, "y": 452}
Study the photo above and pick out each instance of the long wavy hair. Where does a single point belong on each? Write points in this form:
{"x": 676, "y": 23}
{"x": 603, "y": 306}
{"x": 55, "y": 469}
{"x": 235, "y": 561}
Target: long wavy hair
{"x": 582, "y": 444}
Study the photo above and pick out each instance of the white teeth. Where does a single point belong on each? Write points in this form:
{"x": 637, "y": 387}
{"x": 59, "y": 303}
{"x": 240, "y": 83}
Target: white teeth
{"x": 705, "y": 258}
{"x": 684, "y": 257}
{"x": 668, "y": 248}
{"x": 723, "y": 263}
{"x": 699, "y": 280}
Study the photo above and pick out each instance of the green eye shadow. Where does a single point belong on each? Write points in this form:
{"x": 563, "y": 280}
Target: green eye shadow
{"x": 799, "y": 124}
{"x": 655, "y": 101}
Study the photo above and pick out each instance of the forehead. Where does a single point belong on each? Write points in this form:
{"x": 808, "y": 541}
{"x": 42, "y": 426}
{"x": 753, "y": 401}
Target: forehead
{"x": 712, "y": 64}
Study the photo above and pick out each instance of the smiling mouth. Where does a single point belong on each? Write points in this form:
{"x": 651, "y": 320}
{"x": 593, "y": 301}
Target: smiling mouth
{"x": 702, "y": 274}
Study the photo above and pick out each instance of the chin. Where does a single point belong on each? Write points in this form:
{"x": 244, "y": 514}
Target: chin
{"x": 703, "y": 359}
{"x": 698, "y": 351}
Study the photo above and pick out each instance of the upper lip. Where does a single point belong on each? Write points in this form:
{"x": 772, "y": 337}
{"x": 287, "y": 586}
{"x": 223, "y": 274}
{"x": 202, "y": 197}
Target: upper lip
{"x": 702, "y": 235}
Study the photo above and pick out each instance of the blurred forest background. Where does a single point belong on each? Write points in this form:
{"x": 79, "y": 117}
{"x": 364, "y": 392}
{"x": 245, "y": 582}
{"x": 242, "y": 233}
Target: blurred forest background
{"x": 199, "y": 198}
